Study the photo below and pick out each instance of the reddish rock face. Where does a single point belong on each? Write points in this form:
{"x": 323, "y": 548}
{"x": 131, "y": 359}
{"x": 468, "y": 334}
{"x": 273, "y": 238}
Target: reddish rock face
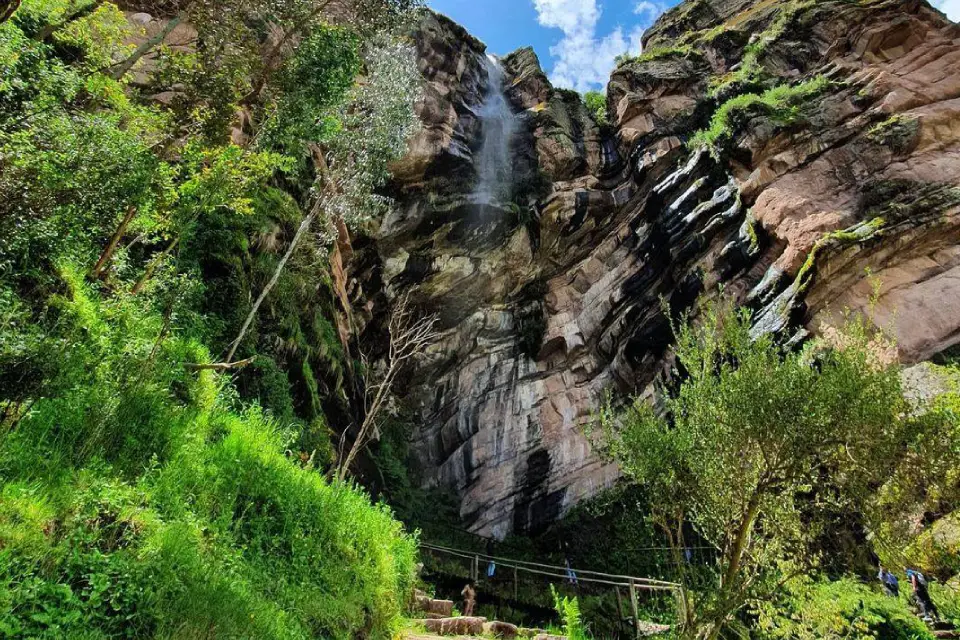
{"x": 553, "y": 296}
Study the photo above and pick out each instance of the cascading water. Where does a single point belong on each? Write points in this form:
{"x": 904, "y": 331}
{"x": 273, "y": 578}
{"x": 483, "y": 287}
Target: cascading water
{"x": 498, "y": 126}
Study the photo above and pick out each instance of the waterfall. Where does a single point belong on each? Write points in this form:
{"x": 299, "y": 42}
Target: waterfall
{"x": 498, "y": 124}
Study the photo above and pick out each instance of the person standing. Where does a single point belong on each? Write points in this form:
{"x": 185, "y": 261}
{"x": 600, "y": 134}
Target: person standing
{"x": 921, "y": 595}
{"x": 469, "y": 599}
{"x": 891, "y": 586}
{"x": 492, "y": 565}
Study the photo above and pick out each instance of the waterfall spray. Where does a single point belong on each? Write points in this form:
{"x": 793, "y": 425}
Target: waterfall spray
{"x": 498, "y": 125}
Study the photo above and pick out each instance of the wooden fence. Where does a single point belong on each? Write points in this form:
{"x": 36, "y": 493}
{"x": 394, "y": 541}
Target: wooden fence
{"x": 555, "y": 573}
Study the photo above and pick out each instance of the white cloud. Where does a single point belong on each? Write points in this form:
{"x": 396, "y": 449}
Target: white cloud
{"x": 648, "y": 9}
{"x": 949, "y": 7}
{"x": 584, "y": 58}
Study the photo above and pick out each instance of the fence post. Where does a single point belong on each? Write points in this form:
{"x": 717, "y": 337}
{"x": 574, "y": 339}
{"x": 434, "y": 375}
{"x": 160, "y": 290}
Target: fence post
{"x": 682, "y": 612}
{"x": 635, "y": 607}
{"x": 619, "y": 611}
{"x": 515, "y": 582}
{"x": 475, "y": 569}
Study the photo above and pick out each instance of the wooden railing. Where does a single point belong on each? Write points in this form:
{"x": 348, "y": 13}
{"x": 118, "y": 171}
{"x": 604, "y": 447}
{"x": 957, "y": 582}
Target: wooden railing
{"x": 561, "y": 574}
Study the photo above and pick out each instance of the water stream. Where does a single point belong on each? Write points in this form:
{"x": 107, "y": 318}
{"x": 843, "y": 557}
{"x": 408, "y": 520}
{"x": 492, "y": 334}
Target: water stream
{"x": 498, "y": 126}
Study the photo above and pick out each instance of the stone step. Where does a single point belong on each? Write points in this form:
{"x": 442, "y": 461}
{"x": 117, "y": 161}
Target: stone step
{"x": 428, "y": 605}
{"x": 461, "y": 626}
{"x": 503, "y": 630}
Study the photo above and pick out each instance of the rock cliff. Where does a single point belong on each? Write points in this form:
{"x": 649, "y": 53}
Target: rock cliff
{"x": 829, "y": 150}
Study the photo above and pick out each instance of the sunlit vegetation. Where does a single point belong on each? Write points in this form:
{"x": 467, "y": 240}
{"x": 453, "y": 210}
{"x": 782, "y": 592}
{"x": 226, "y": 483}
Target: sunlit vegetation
{"x": 150, "y": 486}
{"x": 759, "y": 450}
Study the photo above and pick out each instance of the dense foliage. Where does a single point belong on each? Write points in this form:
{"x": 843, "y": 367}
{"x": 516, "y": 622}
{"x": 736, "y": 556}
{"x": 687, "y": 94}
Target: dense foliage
{"x": 145, "y": 492}
{"x": 762, "y": 449}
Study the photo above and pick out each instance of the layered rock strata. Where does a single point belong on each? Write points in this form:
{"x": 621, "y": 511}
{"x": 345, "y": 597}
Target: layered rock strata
{"x": 834, "y": 150}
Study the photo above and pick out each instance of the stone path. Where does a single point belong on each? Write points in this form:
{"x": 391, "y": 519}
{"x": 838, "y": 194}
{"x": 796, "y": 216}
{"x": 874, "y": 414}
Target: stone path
{"x": 439, "y": 621}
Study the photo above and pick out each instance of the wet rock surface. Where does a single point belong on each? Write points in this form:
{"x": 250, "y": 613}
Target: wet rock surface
{"x": 556, "y": 293}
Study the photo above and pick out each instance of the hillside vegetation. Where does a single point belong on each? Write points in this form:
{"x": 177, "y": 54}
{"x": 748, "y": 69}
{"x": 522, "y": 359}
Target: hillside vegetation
{"x": 151, "y": 486}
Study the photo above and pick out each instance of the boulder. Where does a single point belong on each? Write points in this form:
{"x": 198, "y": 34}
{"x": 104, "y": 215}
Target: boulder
{"x": 500, "y": 630}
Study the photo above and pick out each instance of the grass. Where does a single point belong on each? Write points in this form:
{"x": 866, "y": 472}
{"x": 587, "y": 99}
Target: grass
{"x": 658, "y": 53}
{"x": 750, "y": 69}
{"x": 141, "y": 499}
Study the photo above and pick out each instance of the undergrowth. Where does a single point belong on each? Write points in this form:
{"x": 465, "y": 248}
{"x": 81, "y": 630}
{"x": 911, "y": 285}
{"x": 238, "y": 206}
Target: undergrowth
{"x": 141, "y": 501}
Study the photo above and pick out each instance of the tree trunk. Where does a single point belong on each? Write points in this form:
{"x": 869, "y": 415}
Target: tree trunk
{"x": 7, "y": 7}
{"x": 101, "y": 266}
{"x": 82, "y": 12}
{"x": 728, "y": 584}
{"x": 743, "y": 534}
{"x": 120, "y": 69}
{"x": 273, "y": 281}
{"x": 141, "y": 283}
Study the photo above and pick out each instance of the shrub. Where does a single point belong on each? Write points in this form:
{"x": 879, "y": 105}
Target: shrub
{"x": 569, "y": 612}
{"x": 596, "y": 102}
{"x": 838, "y": 609}
{"x": 136, "y": 503}
{"x": 781, "y": 103}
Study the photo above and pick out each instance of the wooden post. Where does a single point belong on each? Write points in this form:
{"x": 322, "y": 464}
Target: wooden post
{"x": 682, "y": 613}
{"x": 635, "y": 607}
{"x": 515, "y": 582}
{"x": 619, "y": 611}
{"x": 475, "y": 569}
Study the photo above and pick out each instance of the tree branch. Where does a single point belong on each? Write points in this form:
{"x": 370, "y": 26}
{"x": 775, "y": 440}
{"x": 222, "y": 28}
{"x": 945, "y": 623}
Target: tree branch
{"x": 221, "y": 366}
{"x": 100, "y": 268}
{"x": 120, "y": 69}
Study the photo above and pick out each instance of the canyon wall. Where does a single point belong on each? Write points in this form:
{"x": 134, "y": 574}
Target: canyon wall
{"x": 830, "y": 178}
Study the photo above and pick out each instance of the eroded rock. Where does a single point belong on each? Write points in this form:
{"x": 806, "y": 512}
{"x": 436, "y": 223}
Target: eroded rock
{"x": 557, "y": 295}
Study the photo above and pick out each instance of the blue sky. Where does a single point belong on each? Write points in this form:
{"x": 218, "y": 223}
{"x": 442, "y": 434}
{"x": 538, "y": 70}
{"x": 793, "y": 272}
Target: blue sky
{"x": 577, "y": 40}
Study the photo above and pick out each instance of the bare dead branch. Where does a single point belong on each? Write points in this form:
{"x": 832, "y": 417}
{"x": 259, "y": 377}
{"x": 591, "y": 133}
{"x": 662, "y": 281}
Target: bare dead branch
{"x": 221, "y": 366}
{"x": 410, "y": 334}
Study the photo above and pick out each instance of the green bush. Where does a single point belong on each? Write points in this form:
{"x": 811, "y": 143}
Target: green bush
{"x": 569, "y": 611}
{"x": 839, "y": 609}
{"x": 781, "y": 103}
{"x": 137, "y": 503}
{"x": 596, "y": 102}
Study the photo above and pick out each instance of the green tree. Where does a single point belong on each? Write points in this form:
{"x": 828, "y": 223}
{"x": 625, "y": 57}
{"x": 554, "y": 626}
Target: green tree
{"x": 756, "y": 446}
{"x": 596, "y": 102}
{"x": 374, "y": 126}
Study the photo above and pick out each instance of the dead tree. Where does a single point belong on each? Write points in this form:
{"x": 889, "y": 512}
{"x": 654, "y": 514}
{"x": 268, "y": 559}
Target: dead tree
{"x": 410, "y": 334}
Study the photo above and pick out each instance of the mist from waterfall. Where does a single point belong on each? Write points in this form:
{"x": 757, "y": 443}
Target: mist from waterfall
{"x": 498, "y": 125}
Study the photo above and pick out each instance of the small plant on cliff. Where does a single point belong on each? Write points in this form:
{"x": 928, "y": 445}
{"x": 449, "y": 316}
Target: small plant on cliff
{"x": 898, "y": 132}
{"x": 596, "y": 102}
{"x": 763, "y": 445}
{"x": 658, "y": 53}
{"x": 751, "y": 69}
{"x": 781, "y": 104}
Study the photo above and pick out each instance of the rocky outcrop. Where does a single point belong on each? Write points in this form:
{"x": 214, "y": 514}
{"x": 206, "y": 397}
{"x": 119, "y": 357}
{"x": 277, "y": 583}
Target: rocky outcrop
{"x": 834, "y": 149}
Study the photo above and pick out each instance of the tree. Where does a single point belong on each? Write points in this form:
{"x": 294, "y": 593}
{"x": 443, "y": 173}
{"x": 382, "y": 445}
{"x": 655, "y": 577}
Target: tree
{"x": 374, "y": 126}
{"x": 410, "y": 334}
{"x": 596, "y": 102}
{"x": 750, "y": 441}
